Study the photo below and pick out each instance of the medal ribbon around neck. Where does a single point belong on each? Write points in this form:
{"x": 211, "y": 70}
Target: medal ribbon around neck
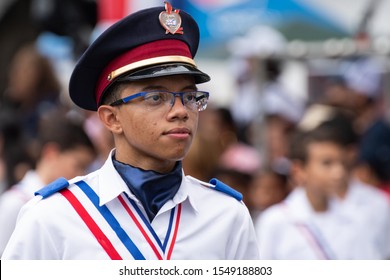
{"x": 144, "y": 226}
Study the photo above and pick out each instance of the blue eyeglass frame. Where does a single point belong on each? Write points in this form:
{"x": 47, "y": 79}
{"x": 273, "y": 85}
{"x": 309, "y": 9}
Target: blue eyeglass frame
{"x": 143, "y": 93}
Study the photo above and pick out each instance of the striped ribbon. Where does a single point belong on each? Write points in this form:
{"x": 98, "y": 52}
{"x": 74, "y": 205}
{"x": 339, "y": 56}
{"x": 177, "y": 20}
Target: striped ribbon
{"x": 136, "y": 215}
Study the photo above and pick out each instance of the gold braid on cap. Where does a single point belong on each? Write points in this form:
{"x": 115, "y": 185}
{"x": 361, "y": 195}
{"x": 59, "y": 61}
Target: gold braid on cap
{"x": 149, "y": 62}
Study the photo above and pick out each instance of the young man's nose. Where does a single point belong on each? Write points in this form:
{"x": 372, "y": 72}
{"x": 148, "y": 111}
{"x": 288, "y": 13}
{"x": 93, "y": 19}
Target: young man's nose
{"x": 178, "y": 108}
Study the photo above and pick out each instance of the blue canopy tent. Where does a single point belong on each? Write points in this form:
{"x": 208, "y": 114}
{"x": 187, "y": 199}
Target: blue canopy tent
{"x": 220, "y": 21}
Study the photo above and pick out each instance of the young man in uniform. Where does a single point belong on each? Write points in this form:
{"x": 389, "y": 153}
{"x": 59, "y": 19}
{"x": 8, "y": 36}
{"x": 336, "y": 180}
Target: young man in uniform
{"x": 140, "y": 77}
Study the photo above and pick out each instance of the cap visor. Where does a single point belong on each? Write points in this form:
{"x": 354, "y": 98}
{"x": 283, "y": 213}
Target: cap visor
{"x": 166, "y": 70}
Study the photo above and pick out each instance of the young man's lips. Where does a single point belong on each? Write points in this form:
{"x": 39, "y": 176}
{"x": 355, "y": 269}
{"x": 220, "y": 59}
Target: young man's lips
{"x": 178, "y": 132}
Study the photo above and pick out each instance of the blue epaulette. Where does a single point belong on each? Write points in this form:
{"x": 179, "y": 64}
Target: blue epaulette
{"x": 53, "y": 187}
{"x": 219, "y": 186}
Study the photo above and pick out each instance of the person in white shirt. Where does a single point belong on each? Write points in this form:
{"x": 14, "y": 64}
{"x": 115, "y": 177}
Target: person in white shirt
{"x": 140, "y": 77}
{"x": 65, "y": 150}
{"x": 369, "y": 209}
{"x": 364, "y": 199}
{"x": 305, "y": 226}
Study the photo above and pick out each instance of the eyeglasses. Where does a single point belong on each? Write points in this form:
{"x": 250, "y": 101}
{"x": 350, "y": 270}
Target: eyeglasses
{"x": 193, "y": 100}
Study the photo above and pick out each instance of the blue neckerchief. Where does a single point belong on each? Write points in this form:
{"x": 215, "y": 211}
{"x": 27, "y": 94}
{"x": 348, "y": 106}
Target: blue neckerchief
{"x": 153, "y": 189}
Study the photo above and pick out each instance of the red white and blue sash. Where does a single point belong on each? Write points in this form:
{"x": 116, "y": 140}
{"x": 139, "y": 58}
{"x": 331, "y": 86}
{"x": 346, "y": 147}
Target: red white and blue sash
{"x": 312, "y": 235}
{"x": 120, "y": 227}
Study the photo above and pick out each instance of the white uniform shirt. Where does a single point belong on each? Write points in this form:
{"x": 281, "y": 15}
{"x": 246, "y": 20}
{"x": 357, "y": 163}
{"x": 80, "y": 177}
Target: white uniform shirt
{"x": 293, "y": 230}
{"x": 12, "y": 201}
{"x": 212, "y": 225}
{"x": 369, "y": 208}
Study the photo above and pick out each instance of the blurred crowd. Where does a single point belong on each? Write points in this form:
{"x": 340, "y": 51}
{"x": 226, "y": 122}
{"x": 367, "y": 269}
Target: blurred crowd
{"x": 314, "y": 171}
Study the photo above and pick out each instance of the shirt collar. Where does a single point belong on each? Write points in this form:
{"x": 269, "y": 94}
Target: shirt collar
{"x": 111, "y": 185}
{"x": 152, "y": 188}
{"x": 297, "y": 200}
{"x": 183, "y": 195}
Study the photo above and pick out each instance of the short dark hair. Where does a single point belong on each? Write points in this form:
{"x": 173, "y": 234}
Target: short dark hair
{"x": 301, "y": 140}
{"x": 113, "y": 93}
{"x": 343, "y": 123}
{"x": 68, "y": 133}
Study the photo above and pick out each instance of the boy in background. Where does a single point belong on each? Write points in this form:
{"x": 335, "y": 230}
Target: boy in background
{"x": 304, "y": 226}
{"x": 64, "y": 151}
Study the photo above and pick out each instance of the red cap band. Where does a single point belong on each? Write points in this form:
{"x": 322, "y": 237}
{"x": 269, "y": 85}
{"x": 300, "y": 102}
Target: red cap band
{"x": 155, "y": 49}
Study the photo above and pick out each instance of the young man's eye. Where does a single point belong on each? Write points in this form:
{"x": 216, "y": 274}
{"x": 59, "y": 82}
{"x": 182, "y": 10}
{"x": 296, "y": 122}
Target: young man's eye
{"x": 155, "y": 97}
{"x": 327, "y": 162}
{"x": 190, "y": 97}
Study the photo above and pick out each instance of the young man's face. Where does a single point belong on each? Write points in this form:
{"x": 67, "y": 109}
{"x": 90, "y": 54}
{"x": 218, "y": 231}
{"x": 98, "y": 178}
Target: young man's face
{"x": 155, "y": 138}
{"x": 326, "y": 168}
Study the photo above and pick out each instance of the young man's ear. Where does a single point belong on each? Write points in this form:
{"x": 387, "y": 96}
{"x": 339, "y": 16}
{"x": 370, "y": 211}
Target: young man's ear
{"x": 108, "y": 116}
